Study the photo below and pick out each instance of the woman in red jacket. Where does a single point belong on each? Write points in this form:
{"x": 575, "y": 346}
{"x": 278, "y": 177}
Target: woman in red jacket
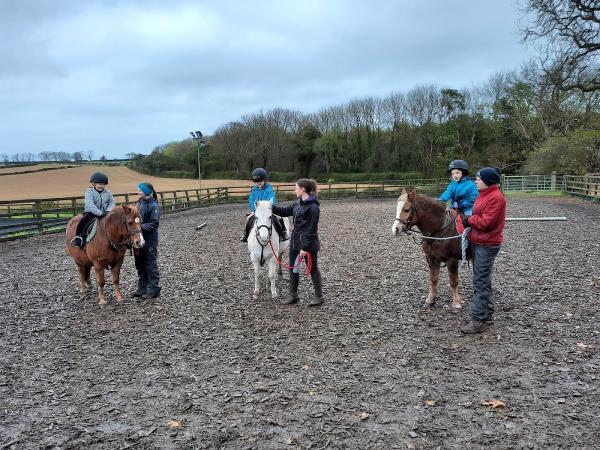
{"x": 487, "y": 224}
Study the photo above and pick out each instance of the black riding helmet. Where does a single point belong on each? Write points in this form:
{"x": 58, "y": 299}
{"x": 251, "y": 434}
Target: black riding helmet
{"x": 259, "y": 174}
{"x": 99, "y": 177}
{"x": 459, "y": 164}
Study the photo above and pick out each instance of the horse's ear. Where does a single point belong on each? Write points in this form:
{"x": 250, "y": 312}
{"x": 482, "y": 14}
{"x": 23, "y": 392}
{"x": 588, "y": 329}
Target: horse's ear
{"x": 126, "y": 209}
{"x": 403, "y": 191}
{"x": 412, "y": 195}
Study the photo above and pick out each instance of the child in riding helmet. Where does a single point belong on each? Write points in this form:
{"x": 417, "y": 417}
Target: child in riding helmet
{"x": 305, "y": 238}
{"x": 145, "y": 258}
{"x": 262, "y": 190}
{"x": 98, "y": 202}
{"x": 461, "y": 191}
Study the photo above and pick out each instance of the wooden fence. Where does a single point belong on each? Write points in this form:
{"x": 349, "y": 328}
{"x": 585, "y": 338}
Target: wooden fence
{"x": 21, "y": 218}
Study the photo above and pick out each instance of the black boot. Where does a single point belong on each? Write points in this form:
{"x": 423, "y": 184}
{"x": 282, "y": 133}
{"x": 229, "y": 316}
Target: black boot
{"x": 318, "y": 283}
{"x": 249, "y": 225}
{"x": 141, "y": 289}
{"x": 284, "y": 234}
{"x": 294, "y": 282}
{"x": 77, "y": 241}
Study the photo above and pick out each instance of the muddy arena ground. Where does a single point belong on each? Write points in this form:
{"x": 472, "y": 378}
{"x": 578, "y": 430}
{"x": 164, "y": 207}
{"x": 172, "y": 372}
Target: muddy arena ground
{"x": 205, "y": 366}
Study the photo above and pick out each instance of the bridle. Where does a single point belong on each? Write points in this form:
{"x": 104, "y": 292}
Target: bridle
{"x": 269, "y": 228}
{"x": 130, "y": 234}
{"x": 408, "y": 224}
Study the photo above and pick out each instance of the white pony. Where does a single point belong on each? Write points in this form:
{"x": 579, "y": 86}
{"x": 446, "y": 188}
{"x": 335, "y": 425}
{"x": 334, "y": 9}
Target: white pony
{"x": 262, "y": 241}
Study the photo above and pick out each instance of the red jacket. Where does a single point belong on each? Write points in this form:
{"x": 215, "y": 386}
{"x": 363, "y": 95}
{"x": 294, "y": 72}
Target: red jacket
{"x": 489, "y": 216}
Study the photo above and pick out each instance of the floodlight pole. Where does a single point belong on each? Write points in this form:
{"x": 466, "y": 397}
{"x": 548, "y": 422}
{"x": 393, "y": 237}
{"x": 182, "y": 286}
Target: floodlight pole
{"x": 197, "y": 136}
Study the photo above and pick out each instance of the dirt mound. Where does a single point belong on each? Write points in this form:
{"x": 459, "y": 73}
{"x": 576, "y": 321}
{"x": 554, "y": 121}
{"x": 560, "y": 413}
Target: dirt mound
{"x": 205, "y": 366}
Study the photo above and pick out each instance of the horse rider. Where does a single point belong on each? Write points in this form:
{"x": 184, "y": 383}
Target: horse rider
{"x": 485, "y": 239}
{"x": 98, "y": 202}
{"x": 461, "y": 191}
{"x": 262, "y": 190}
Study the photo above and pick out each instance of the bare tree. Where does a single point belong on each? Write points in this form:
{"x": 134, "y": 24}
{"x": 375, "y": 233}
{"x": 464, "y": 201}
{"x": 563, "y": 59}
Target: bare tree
{"x": 569, "y": 31}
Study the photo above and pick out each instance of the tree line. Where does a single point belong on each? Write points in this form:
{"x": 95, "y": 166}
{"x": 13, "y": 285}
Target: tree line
{"x": 544, "y": 116}
{"x": 521, "y": 121}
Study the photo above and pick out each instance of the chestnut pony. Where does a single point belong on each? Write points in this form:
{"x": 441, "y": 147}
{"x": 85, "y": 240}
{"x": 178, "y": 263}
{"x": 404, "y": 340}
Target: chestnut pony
{"x": 119, "y": 228}
{"x": 435, "y": 224}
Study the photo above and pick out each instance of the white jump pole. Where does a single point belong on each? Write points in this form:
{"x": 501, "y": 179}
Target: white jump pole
{"x": 525, "y": 219}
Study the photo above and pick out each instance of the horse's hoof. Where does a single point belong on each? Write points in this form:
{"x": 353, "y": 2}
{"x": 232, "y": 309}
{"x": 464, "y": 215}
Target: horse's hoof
{"x": 102, "y": 305}
{"x": 255, "y": 296}
{"x": 427, "y": 305}
{"x": 455, "y": 309}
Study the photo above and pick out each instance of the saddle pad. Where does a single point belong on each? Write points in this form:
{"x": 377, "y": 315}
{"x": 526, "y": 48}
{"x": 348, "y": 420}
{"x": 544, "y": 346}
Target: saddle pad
{"x": 91, "y": 231}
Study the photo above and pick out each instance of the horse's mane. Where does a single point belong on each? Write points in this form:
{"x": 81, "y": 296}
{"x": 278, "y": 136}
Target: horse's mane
{"x": 430, "y": 203}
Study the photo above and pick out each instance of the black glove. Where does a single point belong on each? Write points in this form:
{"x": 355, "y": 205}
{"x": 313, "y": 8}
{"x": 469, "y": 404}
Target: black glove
{"x": 464, "y": 220}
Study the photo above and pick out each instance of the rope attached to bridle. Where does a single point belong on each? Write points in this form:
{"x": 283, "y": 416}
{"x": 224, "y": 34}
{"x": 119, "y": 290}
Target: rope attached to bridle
{"x": 287, "y": 266}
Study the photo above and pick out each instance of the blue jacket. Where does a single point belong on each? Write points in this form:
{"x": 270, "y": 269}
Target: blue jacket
{"x": 256, "y": 194}
{"x": 463, "y": 193}
{"x": 150, "y": 214}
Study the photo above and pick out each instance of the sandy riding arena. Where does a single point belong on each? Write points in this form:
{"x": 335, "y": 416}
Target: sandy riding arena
{"x": 72, "y": 181}
{"x": 205, "y": 366}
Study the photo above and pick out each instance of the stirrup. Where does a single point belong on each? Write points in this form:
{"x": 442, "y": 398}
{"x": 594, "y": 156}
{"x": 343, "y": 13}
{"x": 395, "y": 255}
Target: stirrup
{"x": 77, "y": 242}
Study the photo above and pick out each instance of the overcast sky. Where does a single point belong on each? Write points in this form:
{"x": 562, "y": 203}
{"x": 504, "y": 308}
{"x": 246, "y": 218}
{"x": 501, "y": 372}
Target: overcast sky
{"x": 125, "y": 76}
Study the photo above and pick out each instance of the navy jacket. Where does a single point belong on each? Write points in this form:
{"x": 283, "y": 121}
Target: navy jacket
{"x": 306, "y": 222}
{"x": 150, "y": 214}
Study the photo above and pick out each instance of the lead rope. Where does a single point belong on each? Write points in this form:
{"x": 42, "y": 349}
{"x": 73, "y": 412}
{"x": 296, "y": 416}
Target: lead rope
{"x": 287, "y": 266}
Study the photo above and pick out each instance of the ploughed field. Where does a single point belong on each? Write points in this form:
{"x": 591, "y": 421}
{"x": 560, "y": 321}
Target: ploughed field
{"x": 205, "y": 366}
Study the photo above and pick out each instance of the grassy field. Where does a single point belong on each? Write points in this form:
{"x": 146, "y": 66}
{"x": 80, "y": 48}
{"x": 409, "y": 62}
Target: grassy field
{"x": 73, "y": 181}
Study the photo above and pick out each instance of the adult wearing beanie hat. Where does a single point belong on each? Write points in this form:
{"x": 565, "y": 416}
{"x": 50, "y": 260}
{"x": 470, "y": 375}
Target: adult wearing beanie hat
{"x": 485, "y": 239}
{"x": 489, "y": 175}
{"x": 146, "y": 264}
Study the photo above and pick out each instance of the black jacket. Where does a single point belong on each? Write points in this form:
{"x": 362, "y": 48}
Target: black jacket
{"x": 150, "y": 214}
{"x": 306, "y": 223}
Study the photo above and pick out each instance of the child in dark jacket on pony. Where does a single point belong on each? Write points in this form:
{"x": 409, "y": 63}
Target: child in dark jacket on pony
{"x": 305, "y": 238}
{"x": 145, "y": 258}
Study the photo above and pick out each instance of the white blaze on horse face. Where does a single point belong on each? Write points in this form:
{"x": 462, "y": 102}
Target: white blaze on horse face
{"x": 263, "y": 219}
{"x": 397, "y": 224}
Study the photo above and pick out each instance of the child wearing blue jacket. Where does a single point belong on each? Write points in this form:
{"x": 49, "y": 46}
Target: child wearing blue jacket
{"x": 262, "y": 190}
{"x": 148, "y": 285}
{"x": 461, "y": 191}
{"x": 98, "y": 202}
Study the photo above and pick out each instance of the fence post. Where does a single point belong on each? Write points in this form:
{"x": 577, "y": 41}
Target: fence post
{"x": 74, "y": 206}
{"x": 127, "y": 199}
{"x": 38, "y": 215}
{"x": 187, "y": 198}
{"x": 553, "y": 181}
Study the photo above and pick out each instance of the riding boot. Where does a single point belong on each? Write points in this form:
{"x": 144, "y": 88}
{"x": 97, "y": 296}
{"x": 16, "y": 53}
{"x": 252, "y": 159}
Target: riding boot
{"x": 285, "y": 235}
{"x": 141, "y": 288}
{"x": 294, "y": 282}
{"x": 249, "y": 225}
{"x": 77, "y": 241}
{"x": 318, "y": 283}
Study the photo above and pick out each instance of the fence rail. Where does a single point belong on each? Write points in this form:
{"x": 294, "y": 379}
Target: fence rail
{"x": 20, "y": 218}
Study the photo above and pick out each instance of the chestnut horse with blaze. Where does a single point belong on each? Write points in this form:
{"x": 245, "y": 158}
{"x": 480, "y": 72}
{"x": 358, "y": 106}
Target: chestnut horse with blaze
{"x": 440, "y": 238}
{"x": 114, "y": 232}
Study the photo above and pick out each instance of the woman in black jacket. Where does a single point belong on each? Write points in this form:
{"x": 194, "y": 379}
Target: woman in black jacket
{"x": 305, "y": 238}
